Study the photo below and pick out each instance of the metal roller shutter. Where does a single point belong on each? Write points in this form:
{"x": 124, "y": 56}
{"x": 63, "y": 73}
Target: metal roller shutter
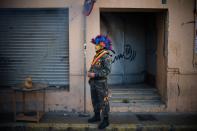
{"x": 34, "y": 42}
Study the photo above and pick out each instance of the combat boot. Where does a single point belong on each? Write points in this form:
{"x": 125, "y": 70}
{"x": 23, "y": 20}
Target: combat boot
{"x": 104, "y": 123}
{"x": 95, "y": 118}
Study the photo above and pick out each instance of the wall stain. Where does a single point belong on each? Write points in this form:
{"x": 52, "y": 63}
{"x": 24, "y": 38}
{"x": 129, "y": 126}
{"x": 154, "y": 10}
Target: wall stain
{"x": 178, "y": 90}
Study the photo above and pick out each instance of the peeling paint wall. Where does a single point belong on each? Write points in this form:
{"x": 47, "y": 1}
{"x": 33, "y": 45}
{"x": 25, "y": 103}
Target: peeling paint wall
{"x": 182, "y": 75}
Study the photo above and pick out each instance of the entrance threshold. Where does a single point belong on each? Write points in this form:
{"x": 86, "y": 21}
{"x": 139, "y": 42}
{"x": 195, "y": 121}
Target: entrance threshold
{"x": 135, "y": 98}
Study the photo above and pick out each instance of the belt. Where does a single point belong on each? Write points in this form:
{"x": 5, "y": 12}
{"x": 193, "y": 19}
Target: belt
{"x": 99, "y": 78}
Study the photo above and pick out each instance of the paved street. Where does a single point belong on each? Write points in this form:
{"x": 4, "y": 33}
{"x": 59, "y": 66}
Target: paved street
{"x": 119, "y": 122}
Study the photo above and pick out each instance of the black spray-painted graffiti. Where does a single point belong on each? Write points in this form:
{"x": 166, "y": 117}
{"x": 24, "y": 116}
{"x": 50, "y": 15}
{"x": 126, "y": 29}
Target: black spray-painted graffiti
{"x": 128, "y": 54}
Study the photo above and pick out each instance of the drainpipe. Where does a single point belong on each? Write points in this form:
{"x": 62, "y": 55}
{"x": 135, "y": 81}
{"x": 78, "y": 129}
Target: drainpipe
{"x": 84, "y": 114}
{"x": 85, "y": 70}
{"x": 88, "y": 6}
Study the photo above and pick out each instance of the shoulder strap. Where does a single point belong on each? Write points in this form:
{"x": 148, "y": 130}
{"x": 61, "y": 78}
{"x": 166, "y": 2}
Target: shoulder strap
{"x": 98, "y": 57}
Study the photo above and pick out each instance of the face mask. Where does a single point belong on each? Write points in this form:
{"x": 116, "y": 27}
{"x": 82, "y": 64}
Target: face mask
{"x": 98, "y": 47}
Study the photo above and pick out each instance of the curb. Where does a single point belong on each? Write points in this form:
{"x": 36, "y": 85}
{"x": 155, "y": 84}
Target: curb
{"x": 93, "y": 127}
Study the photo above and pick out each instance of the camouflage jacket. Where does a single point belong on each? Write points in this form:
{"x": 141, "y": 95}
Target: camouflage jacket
{"x": 102, "y": 67}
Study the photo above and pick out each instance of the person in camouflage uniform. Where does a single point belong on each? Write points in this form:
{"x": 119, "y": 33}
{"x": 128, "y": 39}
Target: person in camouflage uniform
{"x": 98, "y": 72}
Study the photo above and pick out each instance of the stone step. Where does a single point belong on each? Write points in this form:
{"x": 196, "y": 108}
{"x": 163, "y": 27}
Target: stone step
{"x": 133, "y": 89}
{"x": 135, "y": 97}
{"x": 140, "y": 101}
{"x": 134, "y": 92}
{"x": 128, "y": 86}
{"x": 137, "y": 107}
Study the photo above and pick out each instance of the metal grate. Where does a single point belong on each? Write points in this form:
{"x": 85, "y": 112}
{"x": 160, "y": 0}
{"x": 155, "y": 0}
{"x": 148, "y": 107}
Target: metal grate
{"x": 34, "y": 42}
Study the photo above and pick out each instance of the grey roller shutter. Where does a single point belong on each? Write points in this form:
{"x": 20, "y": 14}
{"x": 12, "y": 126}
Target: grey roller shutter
{"x": 34, "y": 42}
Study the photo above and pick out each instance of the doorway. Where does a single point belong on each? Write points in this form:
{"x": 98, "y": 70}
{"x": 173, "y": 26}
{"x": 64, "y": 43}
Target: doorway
{"x": 138, "y": 75}
{"x": 135, "y": 37}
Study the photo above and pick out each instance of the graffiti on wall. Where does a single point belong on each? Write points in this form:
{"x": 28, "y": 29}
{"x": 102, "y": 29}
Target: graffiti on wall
{"x": 128, "y": 54}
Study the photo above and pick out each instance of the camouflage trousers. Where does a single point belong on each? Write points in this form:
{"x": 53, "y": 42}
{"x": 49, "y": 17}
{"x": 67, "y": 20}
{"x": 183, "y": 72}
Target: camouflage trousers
{"x": 99, "y": 95}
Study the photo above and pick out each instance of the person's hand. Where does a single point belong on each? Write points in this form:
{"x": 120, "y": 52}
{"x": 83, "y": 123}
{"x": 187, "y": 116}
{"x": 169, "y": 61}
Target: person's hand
{"x": 91, "y": 74}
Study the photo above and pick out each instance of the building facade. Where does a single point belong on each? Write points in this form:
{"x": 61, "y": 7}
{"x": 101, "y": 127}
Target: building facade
{"x": 154, "y": 41}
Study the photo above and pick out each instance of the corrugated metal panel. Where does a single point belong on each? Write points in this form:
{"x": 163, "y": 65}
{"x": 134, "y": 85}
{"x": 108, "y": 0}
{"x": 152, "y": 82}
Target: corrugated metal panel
{"x": 34, "y": 42}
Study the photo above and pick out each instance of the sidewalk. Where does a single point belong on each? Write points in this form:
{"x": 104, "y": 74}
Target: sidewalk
{"x": 60, "y": 121}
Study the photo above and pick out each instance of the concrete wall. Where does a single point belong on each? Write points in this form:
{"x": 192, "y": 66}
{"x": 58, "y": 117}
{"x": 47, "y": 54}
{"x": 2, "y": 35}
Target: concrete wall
{"x": 161, "y": 56}
{"x": 181, "y": 75}
{"x": 151, "y": 48}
